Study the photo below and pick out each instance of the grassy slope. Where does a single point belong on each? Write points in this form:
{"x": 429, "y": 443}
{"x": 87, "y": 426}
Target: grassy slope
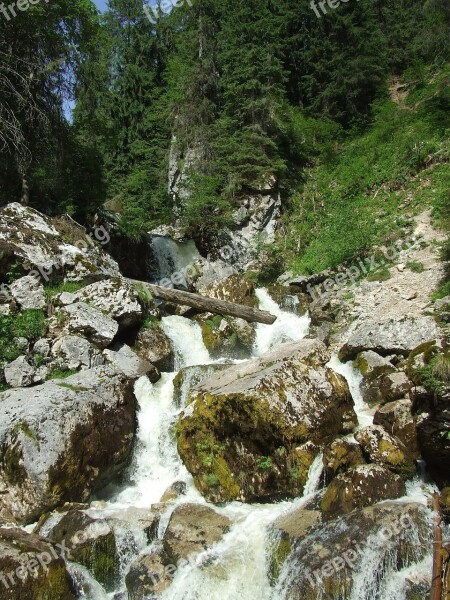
{"x": 364, "y": 192}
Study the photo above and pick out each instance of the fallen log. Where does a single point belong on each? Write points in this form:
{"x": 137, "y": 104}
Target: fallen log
{"x": 203, "y": 304}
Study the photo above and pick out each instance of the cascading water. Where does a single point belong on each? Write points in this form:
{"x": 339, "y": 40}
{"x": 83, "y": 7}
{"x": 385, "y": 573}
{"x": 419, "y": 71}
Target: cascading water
{"x": 234, "y": 568}
{"x": 173, "y": 258}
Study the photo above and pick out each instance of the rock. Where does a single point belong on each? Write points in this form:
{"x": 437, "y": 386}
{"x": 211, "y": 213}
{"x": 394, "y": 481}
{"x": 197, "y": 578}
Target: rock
{"x": 372, "y": 365}
{"x": 383, "y": 449}
{"x": 149, "y": 575}
{"x": 340, "y": 456}
{"x": 189, "y": 377}
{"x": 28, "y": 292}
{"x": 287, "y": 531}
{"x": 433, "y": 436}
{"x": 42, "y": 347}
{"x": 391, "y": 336}
{"x": 66, "y": 298}
{"x": 386, "y": 388}
{"x": 61, "y": 440}
{"x": 365, "y": 546}
{"x": 90, "y": 323}
{"x": 173, "y": 492}
{"x": 235, "y": 288}
{"x": 193, "y": 528}
{"x": 243, "y": 427}
{"x": 19, "y": 373}
{"x": 89, "y": 542}
{"x": 124, "y": 360}
{"x": 31, "y": 568}
{"x": 397, "y": 419}
{"x": 31, "y": 240}
{"x": 358, "y": 487}
{"x": 152, "y": 344}
{"x": 117, "y": 298}
{"x": 227, "y": 336}
{"x": 77, "y": 352}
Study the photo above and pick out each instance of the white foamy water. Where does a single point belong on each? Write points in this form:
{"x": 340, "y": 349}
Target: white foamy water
{"x": 354, "y": 379}
{"x": 288, "y": 327}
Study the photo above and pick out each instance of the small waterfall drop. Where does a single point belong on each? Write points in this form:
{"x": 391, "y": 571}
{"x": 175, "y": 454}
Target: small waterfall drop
{"x": 288, "y": 327}
{"x": 173, "y": 258}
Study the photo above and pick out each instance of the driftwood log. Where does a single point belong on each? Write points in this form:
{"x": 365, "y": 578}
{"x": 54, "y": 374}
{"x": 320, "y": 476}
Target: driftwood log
{"x": 203, "y": 304}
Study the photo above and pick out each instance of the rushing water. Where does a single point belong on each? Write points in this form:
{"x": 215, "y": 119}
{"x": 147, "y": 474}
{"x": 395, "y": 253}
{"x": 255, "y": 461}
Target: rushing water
{"x": 235, "y": 568}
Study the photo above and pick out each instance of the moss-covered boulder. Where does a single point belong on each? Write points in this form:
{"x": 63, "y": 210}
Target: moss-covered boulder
{"x": 227, "y": 336}
{"x": 62, "y": 440}
{"x": 149, "y": 575}
{"x": 242, "y": 432}
{"x": 372, "y": 365}
{"x": 359, "y": 487}
{"x": 32, "y": 569}
{"x": 339, "y": 456}
{"x": 384, "y": 449}
{"x": 89, "y": 542}
{"x": 361, "y": 549}
{"x": 397, "y": 419}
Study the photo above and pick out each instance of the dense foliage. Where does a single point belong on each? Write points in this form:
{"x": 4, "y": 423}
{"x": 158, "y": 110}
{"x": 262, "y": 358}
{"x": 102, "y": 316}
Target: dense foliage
{"x": 234, "y": 95}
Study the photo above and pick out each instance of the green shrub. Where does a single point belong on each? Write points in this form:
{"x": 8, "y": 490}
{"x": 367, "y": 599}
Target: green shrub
{"x": 415, "y": 266}
{"x": 30, "y": 324}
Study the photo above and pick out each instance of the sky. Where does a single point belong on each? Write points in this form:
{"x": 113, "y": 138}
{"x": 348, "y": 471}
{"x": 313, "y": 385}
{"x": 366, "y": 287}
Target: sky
{"x": 101, "y": 4}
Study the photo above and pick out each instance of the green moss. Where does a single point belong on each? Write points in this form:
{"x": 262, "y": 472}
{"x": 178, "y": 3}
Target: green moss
{"x": 415, "y": 266}
{"x": 66, "y": 286}
{"x": 279, "y": 554}
{"x": 380, "y": 275}
{"x": 73, "y": 388}
{"x": 58, "y": 373}
{"x": 100, "y": 557}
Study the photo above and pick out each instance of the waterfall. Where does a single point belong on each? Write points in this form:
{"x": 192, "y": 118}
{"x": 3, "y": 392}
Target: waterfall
{"x": 172, "y": 258}
{"x": 288, "y": 327}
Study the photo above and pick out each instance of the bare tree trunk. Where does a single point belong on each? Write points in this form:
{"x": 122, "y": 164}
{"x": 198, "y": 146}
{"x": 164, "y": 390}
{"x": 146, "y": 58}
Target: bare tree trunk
{"x": 217, "y": 307}
{"x": 25, "y": 198}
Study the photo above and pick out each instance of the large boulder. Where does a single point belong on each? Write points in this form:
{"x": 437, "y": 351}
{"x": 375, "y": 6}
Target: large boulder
{"x": 149, "y": 575}
{"x": 82, "y": 319}
{"x": 62, "y": 440}
{"x": 153, "y": 345}
{"x": 386, "y": 388}
{"x": 89, "y": 542}
{"x": 19, "y": 373}
{"x": 32, "y": 241}
{"x": 115, "y": 297}
{"x": 359, "y": 487}
{"x": 384, "y": 449}
{"x": 391, "y": 336}
{"x": 28, "y": 292}
{"x": 244, "y": 430}
{"x": 189, "y": 377}
{"x": 358, "y": 552}
{"x": 193, "y": 528}
{"x": 31, "y": 568}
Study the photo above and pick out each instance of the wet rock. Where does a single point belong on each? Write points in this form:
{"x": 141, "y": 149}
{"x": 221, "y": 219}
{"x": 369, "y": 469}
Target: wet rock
{"x": 386, "y": 388}
{"x": 227, "y": 336}
{"x": 193, "y": 528}
{"x": 89, "y": 542}
{"x": 117, "y": 298}
{"x": 189, "y": 377}
{"x": 359, "y": 487}
{"x": 173, "y": 492}
{"x": 235, "y": 288}
{"x": 391, "y": 336}
{"x": 31, "y": 568}
{"x": 61, "y": 440}
{"x": 149, "y": 575}
{"x": 384, "y": 449}
{"x": 372, "y": 365}
{"x": 240, "y": 433}
{"x": 285, "y": 533}
{"x": 340, "y": 456}
{"x": 28, "y": 292}
{"x": 91, "y": 323}
{"x": 364, "y": 546}
{"x": 123, "y": 360}
{"x": 153, "y": 345}
{"x": 19, "y": 373}
{"x": 398, "y": 420}
{"x": 77, "y": 352}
